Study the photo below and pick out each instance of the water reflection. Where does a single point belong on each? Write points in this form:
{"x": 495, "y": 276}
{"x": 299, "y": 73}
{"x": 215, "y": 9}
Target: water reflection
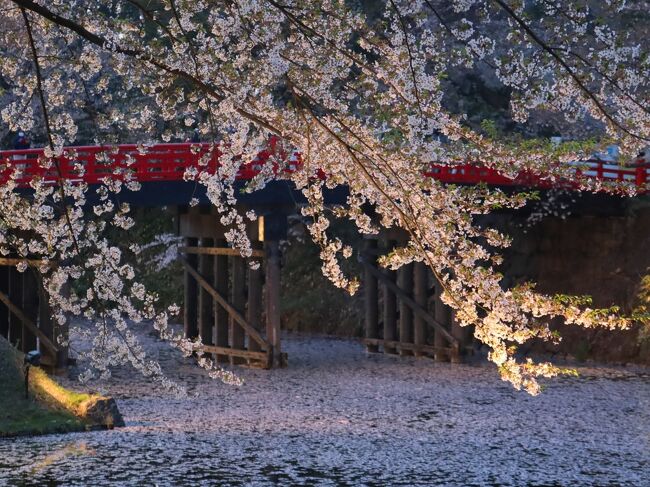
{"x": 70, "y": 449}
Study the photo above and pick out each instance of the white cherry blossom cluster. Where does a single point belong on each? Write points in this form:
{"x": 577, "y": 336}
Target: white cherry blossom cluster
{"x": 358, "y": 91}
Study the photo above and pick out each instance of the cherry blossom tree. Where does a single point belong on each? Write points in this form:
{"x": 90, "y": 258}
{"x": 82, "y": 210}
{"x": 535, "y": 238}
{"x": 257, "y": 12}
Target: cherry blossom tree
{"x": 358, "y": 88}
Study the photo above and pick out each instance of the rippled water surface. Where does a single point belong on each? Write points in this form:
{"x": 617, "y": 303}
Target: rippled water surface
{"x": 338, "y": 417}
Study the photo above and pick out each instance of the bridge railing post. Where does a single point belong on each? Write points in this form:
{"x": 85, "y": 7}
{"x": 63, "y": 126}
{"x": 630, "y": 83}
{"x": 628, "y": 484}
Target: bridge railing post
{"x": 641, "y": 176}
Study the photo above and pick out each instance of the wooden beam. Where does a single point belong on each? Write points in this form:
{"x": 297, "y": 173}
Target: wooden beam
{"x": 224, "y": 302}
{"x": 417, "y": 309}
{"x": 45, "y": 340}
{"x": 261, "y": 356}
{"x": 196, "y": 224}
{"x": 406, "y": 346}
{"x": 257, "y": 254}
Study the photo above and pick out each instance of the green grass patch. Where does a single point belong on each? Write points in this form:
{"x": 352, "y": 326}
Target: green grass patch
{"x": 33, "y": 416}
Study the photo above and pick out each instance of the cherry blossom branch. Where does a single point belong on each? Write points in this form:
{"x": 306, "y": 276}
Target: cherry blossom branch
{"x": 568, "y": 69}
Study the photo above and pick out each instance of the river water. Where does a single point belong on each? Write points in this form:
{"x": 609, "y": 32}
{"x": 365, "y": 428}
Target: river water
{"x": 336, "y": 416}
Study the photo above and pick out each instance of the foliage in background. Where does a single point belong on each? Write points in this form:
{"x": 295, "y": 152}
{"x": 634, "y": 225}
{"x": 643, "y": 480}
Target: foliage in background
{"x": 156, "y": 265}
{"x": 310, "y": 303}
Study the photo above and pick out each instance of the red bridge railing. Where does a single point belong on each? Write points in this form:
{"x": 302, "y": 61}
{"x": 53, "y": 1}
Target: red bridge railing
{"x": 168, "y": 162}
{"x": 91, "y": 164}
{"x": 582, "y": 171}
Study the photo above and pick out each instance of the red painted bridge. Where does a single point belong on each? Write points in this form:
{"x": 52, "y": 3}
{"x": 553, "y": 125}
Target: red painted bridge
{"x": 168, "y": 162}
{"x": 234, "y": 308}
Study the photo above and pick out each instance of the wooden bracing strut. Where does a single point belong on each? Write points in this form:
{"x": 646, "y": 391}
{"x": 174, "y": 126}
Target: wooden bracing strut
{"x": 232, "y": 330}
{"x": 28, "y": 323}
{"x": 414, "y": 317}
{"x": 25, "y": 316}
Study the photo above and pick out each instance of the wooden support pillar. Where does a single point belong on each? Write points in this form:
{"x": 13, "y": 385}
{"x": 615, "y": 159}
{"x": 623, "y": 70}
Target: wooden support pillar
{"x": 459, "y": 333}
{"x": 371, "y": 297}
{"x": 390, "y": 309}
{"x": 4, "y": 311}
{"x": 420, "y": 287}
{"x": 442, "y": 314}
{"x": 191, "y": 291}
{"x": 405, "y": 313}
{"x": 46, "y": 325}
{"x": 16, "y": 297}
{"x": 238, "y": 300}
{"x": 205, "y": 305}
{"x": 254, "y": 308}
{"x": 221, "y": 280}
{"x": 30, "y": 307}
{"x": 254, "y": 311}
{"x": 272, "y": 248}
{"x": 464, "y": 335}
